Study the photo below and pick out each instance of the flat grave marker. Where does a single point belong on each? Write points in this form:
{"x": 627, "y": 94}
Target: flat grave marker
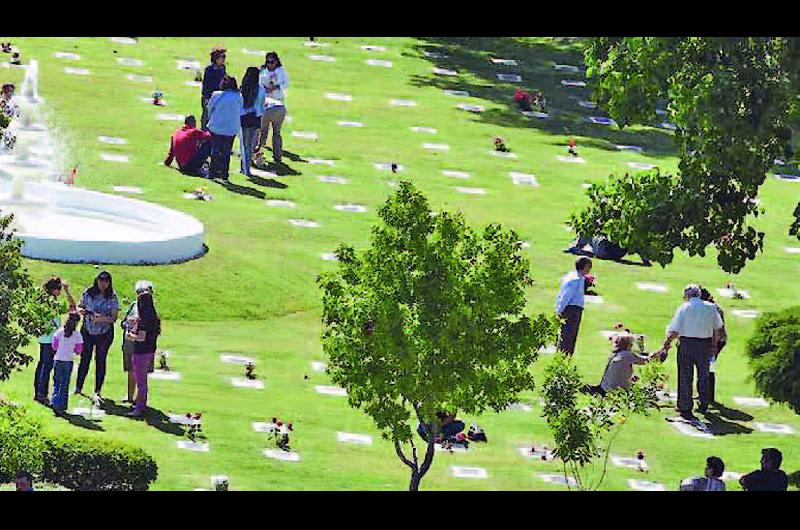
{"x": 305, "y": 135}
{"x": 193, "y": 84}
{"x": 573, "y": 83}
{"x": 570, "y": 159}
{"x": 194, "y": 446}
{"x": 165, "y": 375}
{"x": 182, "y": 64}
{"x": 535, "y": 114}
{"x": 87, "y": 412}
{"x": 353, "y": 438}
{"x": 331, "y": 179}
{"x": 372, "y": 48}
{"x": 128, "y": 189}
{"x": 455, "y": 174}
{"x": 556, "y": 478}
{"x": 170, "y": 117}
{"x": 315, "y": 44}
{"x": 336, "y": 96}
{"x": 114, "y": 157}
{"x": 260, "y": 53}
{"x": 281, "y": 203}
{"x": 510, "y": 78}
{"x": 283, "y": 456}
{"x": 645, "y": 485}
{"x": 745, "y": 313}
{"x": 791, "y": 250}
{"x": 328, "y": 256}
{"x": 788, "y": 178}
{"x": 349, "y": 123}
{"x": 181, "y": 419}
{"x": 112, "y": 140}
{"x": 773, "y": 428}
{"x": 523, "y": 179}
{"x": 402, "y": 103}
{"x": 304, "y": 223}
{"x": 641, "y": 166}
{"x": 470, "y": 108}
{"x": 566, "y": 68}
{"x": 468, "y": 472}
{"x": 587, "y": 104}
{"x": 426, "y": 130}
{"x": 67, "y": 55}
{"x": 76, "y": 71}
{"x": 668, "y": 126}
{"x": 750, "y": 401}
{"x": 379, "y": 62}
{"x": 350, "y": 207}
{"x": 520, "y": 407}
{"x": 728, "y": 293}
{"x": 387, "y": 166}
{"x": 652, "y": 287}
{"x": 318, "y": 366}
{"x": 457, "y": 93}
{"x": 628, "y": 462}
{"x": 127, "y": 61}
{"x": 123, "y": 40}
{"x": 594, "y": 299}
{"x": 505, "y": 62}
{"x": 435, "y": 147}
{"x": 502, "y": 154}
{"x": 471, "y": 191}
{"x": 444, "y": 71}
{"x": 635, "y": 148}
{"x": 322, "y": 58}
{"x": 240, "y": 382}
{"x": 232, "y": 358}
{"x": 434, "y": 55}
{"x": 601, "y": 120}
{"x": 321, "y": 162}
{"x": 331, "y": 390}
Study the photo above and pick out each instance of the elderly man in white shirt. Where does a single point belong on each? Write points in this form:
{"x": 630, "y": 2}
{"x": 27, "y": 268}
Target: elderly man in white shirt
{"x": 569, "y": 304}
{"x": 698, "y": 325}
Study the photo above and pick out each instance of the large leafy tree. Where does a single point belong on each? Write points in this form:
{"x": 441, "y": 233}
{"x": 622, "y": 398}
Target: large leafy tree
{"x": 25, "y": 309}
{"x": 429, "y": 318}
{"x": 732, "y": 101}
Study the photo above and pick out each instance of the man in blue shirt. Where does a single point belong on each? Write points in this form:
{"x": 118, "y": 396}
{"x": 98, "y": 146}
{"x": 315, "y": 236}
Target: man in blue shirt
{"x": 569, "y": 304}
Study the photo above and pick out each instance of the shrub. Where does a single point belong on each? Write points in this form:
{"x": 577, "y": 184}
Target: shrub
{"x": 21, "y": 443}
{"x": 774, "y": 351}
{"x": 91, "y": 464}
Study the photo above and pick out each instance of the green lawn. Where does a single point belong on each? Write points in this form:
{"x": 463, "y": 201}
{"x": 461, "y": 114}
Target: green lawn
{"x": 255, "y": 292}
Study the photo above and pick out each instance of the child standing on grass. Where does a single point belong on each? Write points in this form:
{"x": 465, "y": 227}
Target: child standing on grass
{"x": 67, "y": 343}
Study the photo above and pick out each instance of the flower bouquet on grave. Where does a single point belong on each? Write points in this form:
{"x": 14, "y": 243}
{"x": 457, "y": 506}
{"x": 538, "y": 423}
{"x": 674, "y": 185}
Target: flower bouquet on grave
{"x": 69, "y": 180}
{"x": 272, "y": 428}
{"x": 641, "y": 465}
{"x": 201, "y": 193}
{"x": 394, "y": 167}
{"x": 198, "y": 77}
{"x": 249, "y": 371}
{"x": 158, "y": 97}
{"x": 539, "y": 103}
{"x": 221, "y": 484}
{"x": 736, "y": 295}
{"x": 523, "y": 100}
{"x": 283, "y": 437}
{"x": 163, "y": 355}
{"x": 195, "y": 430}
{"x": 500, "y": 145}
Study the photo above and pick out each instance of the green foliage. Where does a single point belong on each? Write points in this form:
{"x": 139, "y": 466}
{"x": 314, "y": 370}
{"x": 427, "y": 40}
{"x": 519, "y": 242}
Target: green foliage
{"x": 94, "y": 464}
{"x": 4, "y": 120}
{"x": 774, "y": 352}
{"x": 21, "y": 442}
{"x": 732, "y": 100}
{"x": 25, "y": 310}
{"x": 429, "y": 318}
{"x": 583, "y": 434}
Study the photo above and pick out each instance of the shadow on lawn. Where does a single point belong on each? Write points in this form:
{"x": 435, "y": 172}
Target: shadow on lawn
{"x": 536, "y": 60}
{"x": 721, "y": 427}
{"x": 153, "y": 417}
{"x": 83, "y": 423}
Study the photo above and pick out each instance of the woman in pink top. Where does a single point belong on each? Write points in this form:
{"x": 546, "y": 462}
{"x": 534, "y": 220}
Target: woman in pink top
{"x": 67, "y": 343}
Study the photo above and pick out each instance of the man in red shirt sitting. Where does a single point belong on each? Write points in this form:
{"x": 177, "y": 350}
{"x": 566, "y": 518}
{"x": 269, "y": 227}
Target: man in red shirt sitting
{"x": 190, "y": 147}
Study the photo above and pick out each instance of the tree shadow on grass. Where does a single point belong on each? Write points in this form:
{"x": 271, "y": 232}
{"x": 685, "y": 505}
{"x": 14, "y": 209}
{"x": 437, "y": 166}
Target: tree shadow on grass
{"x": 153, "y": 417}
{"x": 536, "y": 59}
{"x": 721, "y": 427}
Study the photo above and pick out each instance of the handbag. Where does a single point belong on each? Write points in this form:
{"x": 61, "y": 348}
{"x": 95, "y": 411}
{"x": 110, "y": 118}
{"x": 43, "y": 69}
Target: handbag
{"x": 250, "y": 121}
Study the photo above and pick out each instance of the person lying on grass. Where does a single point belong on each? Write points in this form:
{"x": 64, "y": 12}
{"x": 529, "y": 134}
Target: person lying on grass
{"x": 619, "y": 369}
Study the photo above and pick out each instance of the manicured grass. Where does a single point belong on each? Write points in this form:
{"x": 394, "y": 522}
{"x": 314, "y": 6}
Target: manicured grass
{"x": 255, "y": 291}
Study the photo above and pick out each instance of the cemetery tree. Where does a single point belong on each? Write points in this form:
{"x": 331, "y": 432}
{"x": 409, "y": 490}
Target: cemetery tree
{"x": 732, "y": 101}
{"x": 428, "y": 319}
{"x": 774, "y": 352}
{"x": 584, "y": 431}
{"x": 25, "y": 309}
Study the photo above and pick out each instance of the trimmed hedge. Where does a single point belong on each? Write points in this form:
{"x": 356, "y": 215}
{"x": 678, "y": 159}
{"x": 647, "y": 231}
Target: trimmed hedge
{"x": 93, "y": 464}
{"x": 774, "y": 352}
{"x": 22, "y": 444}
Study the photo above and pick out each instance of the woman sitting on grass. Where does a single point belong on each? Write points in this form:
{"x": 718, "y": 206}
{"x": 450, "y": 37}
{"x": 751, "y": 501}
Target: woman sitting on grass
{"x": 619, "y": 370}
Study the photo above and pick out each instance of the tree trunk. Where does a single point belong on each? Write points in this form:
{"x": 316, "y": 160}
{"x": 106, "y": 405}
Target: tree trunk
{"x": 415, "y": 480}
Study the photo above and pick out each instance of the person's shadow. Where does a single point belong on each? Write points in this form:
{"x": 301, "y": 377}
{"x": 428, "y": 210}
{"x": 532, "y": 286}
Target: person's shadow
{"x": 83, "y": 423}
{"x": 153, "y": 417}
{"x": 269, "y": 183}
{"x": 731, "y": 414}
{"x": 721, "y": 427}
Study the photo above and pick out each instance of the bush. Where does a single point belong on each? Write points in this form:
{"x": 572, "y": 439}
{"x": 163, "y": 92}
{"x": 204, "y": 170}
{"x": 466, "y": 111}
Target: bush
{"x": 21, "y": 442}
{"x": 774, "y": 351}
{"x": 90, "y": 464}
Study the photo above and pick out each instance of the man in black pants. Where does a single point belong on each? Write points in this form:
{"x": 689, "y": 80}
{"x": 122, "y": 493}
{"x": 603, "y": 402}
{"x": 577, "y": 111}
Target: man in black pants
{"x": 569, "y": 304}
{"x": 698, "y": 325}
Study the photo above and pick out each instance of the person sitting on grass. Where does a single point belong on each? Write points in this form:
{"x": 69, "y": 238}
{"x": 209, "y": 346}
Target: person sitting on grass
{"x": 24, "y": 481}
{"x": 190, "y": 147}
{"x": 67, "y": 343}
{"x": 619, "y": 369}
{"x": 770, "y": 477}
{"x": 449, "y": 429}
{"x": 711, "y": 479}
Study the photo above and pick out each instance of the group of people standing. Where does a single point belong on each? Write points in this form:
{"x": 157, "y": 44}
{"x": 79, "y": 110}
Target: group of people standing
{"x": 698, "y": 324}
{"x": 248, "y": 111}
{"x": 99, "y": 309}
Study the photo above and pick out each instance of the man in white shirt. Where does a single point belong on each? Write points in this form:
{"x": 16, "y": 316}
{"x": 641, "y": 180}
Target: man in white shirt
{"x": 699, "y": 326}
{"x": 569, "y": 304}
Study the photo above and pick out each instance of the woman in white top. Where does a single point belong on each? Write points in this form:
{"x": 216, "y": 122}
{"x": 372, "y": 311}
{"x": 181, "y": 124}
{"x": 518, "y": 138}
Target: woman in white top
{"x": 275, "y": 81}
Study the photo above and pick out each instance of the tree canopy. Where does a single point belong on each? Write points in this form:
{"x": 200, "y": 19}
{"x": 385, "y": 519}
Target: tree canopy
{"x": 429, "y": 319}
{"x": 732, "y": 101}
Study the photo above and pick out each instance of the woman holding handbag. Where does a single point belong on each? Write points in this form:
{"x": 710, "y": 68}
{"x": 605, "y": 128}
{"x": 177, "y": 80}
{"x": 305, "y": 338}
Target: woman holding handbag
{"x": 253, "y": 96}
{"x": 143, "y": 332}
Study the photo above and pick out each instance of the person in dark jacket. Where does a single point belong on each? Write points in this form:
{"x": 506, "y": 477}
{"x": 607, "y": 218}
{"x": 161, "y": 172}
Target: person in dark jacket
{"x": 144, "y": 332}
{"x": 769, "y": 477}
{"x": 212, "y": 77}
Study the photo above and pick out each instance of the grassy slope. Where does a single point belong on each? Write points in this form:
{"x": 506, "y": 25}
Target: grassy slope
{"x": 255, "y": 292}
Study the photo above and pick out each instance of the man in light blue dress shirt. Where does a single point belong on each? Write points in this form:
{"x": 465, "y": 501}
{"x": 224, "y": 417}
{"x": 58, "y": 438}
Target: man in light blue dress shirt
{"x": 569, "y": 304}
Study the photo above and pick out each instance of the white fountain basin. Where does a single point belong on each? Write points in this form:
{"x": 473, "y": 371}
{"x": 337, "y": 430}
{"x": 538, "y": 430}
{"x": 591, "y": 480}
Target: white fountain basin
{"x": 61, "y": 223}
